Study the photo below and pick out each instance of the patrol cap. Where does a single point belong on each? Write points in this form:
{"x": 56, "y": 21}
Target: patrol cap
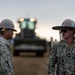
{"x": 7, "y": 24}
{"x": 68, "y": 23}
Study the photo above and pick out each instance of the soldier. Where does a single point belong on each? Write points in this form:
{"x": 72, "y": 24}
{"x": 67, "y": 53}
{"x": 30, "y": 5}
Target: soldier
{"x": 63, "y": 52}
{"x": 6, "y": 33}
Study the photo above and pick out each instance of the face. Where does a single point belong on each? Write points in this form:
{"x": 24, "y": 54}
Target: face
{"x": 9, "y": 34}
{"x": 67, "y": 33}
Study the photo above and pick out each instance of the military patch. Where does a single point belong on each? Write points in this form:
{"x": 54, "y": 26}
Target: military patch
{"x": 72, "y": 24}
{"x": 7, "y": 24}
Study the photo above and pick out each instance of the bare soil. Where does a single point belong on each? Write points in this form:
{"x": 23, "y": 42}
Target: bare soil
{"x": 30, "y": 64}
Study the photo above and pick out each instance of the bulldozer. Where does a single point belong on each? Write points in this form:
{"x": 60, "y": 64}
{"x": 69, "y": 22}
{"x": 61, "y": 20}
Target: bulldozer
{"x": 26, "y": 40}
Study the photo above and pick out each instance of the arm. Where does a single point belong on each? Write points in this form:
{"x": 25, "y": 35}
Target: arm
{"x": 52, "y": 62}
{"x": 5, "y": 60}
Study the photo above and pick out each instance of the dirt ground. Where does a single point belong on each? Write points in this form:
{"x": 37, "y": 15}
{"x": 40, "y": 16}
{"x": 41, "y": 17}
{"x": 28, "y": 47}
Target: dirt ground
{"x": 30, "y": 65}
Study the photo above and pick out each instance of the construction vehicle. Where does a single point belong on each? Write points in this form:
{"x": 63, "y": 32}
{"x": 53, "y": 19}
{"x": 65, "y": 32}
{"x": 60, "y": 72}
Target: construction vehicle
{"x": 26, "y": 40}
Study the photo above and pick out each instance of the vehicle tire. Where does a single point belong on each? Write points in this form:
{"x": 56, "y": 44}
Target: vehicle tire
{"x": 15, "y": 53}
{"x": 39, "y": 54}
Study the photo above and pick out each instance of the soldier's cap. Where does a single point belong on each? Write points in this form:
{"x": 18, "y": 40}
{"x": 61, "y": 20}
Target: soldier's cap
{"x": 7, "y": 24}
{"x": 68, "y": 23}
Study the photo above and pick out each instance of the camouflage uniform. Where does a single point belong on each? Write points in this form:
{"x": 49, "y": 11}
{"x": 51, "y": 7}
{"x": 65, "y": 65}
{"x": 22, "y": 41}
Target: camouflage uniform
{"x": 6, "y": 65}
{"x": 64, "y": 56}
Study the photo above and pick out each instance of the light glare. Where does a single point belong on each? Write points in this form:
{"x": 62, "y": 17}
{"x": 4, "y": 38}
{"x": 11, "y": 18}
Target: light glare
{"x": 36, "y": 30}
{"x": 32, "y": 19}
{"x": 21, "y": 20}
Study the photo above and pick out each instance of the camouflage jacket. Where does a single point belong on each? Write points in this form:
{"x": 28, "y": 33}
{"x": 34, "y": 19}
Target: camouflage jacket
{"x": 6, "y": 65}
{"x": 64, "y": 56}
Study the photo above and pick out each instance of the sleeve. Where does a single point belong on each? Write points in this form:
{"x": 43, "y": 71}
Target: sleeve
{"x": 52, "y": 62}
{"x": 5, "y": 62}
